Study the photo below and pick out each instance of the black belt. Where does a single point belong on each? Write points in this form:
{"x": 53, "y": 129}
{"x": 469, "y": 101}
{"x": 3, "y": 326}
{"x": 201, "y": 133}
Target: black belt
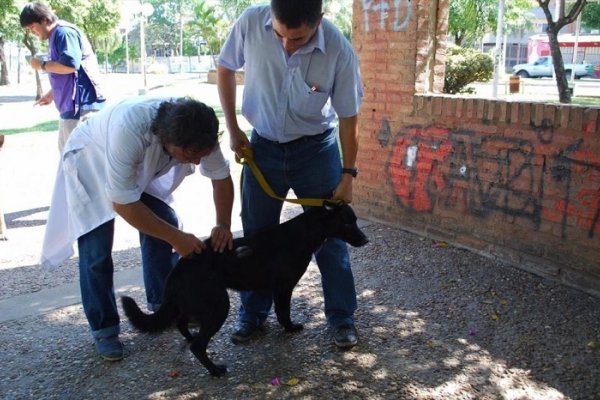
{"x": 301, "y": 139}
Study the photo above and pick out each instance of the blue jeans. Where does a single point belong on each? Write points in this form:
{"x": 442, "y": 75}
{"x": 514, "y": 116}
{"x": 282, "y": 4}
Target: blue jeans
{"x": 310, "y": 166}
{"x": 96, "y": 270}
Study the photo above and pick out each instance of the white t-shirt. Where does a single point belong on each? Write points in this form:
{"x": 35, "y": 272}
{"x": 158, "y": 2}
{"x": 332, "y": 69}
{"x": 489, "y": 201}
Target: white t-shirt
{"x": 113, "y": 158}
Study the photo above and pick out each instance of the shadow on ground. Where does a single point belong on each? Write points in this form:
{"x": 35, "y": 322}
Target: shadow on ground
{"x": 16, "y": 99}
{"x": 435, "y": 322}
{"x": 22, "y": 219}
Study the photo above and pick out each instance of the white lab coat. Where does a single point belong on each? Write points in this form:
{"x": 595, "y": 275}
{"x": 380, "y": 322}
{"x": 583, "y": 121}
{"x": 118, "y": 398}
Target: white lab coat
{"x": 112, "y": 157}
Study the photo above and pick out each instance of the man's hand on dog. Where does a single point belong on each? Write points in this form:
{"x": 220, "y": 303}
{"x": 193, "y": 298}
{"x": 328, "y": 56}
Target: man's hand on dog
{"x": 221, "y": 238}
{"x": 187, "y": 244}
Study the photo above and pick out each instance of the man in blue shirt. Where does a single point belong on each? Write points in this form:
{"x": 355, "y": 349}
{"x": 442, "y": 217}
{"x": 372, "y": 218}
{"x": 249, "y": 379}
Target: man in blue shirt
{"x": 301, "y": 76}
{"x": 72, "y": 68}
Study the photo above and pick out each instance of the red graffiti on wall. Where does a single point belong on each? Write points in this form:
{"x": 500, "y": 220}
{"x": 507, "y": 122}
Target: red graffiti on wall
{"x": 436, "y": 167}
{"x": 583, "y": 205}
{"x": 413, "y": 166}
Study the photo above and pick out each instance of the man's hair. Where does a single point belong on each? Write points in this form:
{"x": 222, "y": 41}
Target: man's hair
{"x": 186, "y": 123}
{"x": 35, "y": 13}
{"x": 295, "y": 13}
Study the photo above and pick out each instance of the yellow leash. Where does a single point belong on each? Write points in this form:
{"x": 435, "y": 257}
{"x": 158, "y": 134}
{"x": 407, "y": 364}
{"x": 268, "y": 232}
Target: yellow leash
{"x": 248, "y": 159}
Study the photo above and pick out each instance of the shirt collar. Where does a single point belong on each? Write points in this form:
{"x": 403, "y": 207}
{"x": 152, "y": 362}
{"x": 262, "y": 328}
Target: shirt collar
{"x": 316, "y": 42}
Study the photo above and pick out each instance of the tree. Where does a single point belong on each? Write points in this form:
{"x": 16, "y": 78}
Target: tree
{"x": 9, "y": 30}
{"x": 518, "y": 18}
{"x": 518, "y": 15}
{"x": 340, "y": 13}
{"x": 208, "y": 27}
{"x": 554, "y": 27}
{"x": 232, "y": 9}
{"x": 32, "y": 43}
{"x": 590, "y": 17}
{"x": 468, "y": 20}
{"x": 97, "y": 18}
{"x": 163, "y": 28}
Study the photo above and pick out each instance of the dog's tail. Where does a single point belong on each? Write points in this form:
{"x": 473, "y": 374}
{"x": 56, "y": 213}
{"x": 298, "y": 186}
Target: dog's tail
{"x": 156, "y": 322}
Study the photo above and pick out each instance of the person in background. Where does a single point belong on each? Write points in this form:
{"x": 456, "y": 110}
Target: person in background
{"x": 71, "y": 66}
{"x": 301, "y": 76}
{"x": 128, "y": 159}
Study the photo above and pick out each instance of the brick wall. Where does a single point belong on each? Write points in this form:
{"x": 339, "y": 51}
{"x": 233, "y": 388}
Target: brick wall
{"x": 518, "y": 181}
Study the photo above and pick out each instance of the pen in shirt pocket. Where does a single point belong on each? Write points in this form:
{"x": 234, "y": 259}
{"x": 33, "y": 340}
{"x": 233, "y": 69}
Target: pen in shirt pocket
{"x": 314, "y": 88}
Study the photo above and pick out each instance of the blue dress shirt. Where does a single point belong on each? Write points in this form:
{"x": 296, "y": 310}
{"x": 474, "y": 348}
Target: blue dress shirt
{"x": 290, "y": 96}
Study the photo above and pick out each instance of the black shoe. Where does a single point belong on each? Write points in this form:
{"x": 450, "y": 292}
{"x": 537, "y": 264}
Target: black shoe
{"x": 244, "y": 332}
{"x": 345, "y": 336}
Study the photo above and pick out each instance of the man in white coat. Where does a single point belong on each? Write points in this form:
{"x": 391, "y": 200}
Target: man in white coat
{"x": 127, "y": 160}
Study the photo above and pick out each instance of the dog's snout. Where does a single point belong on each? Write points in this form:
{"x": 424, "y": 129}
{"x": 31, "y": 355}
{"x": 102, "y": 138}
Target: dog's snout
{"x": 348, "y": 229}
{"x": 359, "y": 238}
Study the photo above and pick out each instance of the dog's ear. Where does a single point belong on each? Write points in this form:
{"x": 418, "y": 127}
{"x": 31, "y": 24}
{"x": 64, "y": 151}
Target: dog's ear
{"x": 244, "y": 251}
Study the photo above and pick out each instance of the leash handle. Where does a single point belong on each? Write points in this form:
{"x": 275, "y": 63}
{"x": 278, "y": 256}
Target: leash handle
{"x": 248, "y": 159}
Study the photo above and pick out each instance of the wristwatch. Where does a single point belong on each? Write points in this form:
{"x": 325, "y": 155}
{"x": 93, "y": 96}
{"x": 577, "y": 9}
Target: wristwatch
{"x": 351, "y": 171}
{"x": 43, "y": 65}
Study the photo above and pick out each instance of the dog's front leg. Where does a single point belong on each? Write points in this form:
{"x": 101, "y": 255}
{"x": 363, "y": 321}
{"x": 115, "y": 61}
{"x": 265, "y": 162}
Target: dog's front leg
{"x": 282, "y": 302}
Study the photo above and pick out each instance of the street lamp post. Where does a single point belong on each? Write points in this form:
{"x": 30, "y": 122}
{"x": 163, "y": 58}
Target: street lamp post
{"x": 127, "y": 51}
{"x": 499, "y": 35}
{"x": 146, "y": 11}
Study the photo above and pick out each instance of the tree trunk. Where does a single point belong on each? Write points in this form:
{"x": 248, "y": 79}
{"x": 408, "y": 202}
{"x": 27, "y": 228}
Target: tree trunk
{"x": 30, "y": 45}
{"x": 3, "y": 68}
{"x": 554, "y": 27}
{"x": 458, "y": 39}
{"x": 38, "y": 86}
{"x": 564, "y": 94}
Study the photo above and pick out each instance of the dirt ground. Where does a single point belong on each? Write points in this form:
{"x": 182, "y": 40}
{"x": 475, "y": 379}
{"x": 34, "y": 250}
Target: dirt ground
{"x": 435, "y": 322}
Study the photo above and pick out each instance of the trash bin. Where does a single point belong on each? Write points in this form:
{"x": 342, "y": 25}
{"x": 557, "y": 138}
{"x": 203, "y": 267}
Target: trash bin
{"x": 571, "y": 88}
{"x": 514, "y": 83}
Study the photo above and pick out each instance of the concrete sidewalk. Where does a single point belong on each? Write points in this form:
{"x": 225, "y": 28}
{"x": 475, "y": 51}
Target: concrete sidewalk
{"x": 47, "y": 300}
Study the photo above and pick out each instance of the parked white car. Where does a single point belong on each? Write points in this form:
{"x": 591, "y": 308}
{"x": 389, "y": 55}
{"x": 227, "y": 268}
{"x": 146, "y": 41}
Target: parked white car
{"x": 543, "y": 67}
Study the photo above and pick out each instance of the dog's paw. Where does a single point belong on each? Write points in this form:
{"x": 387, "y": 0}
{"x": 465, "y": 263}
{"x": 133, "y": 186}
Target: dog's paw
{"x": 294, "y": 327}
{"x": 191, "y": 337}
{"x": 218, "y": 370}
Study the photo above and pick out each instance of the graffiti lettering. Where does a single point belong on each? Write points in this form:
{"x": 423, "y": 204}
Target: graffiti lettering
{"x": 436, "y": 167}
{"x": 399, "y": 22}
{"x": 586, "y": 209}
{"x": 402, "y": 13}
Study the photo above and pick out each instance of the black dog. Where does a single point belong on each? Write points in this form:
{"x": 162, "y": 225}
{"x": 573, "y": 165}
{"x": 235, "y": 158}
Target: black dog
{"x": 273, "y": 260}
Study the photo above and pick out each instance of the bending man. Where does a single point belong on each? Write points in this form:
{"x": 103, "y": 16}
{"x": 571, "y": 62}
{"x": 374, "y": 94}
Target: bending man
{"x": 127, "y": 160}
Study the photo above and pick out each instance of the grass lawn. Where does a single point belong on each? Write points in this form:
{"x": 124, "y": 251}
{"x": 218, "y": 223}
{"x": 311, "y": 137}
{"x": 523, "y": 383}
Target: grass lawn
{"x": 586, "y": 101}
{"x": 48, "y": 126}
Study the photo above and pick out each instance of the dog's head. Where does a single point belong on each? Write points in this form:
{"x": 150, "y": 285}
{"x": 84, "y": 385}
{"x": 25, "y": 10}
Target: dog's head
{"x": 342, "y": 224}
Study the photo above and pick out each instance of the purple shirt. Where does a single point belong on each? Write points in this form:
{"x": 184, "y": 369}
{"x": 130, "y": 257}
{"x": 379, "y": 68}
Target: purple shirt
{"x": 71, "y": 92}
